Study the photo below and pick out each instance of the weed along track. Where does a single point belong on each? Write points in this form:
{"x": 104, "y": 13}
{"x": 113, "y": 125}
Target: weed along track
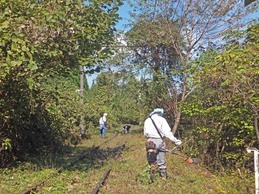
{"x": 40, "y": 185}
{"x": 94, "y": 157}
{"x": 117, "y": 165}
{"x": 100, "y": 183}
{"x": 105, "y": 176}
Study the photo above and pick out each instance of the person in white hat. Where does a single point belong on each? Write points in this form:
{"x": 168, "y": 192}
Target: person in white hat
{"x": 155, "y": 129}
{"x": 102, "y": 124}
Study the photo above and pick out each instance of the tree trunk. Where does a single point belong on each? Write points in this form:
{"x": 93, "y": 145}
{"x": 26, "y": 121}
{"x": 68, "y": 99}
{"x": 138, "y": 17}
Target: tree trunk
{"x": 179, "y": 110}
{"x": 82, "y": 126}
{"x": 177, "y": 121}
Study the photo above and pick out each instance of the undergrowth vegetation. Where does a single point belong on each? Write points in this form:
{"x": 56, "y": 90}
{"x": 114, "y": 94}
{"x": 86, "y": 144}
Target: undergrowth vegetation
{"x": 79, "y": 169}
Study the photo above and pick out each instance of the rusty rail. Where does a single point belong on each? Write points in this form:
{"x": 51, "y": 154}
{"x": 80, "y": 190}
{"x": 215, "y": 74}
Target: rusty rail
{"x": 105, "y": 176}
{"x": 34, "y": 187}
{"x": 42, "y": 182}
{"x": 100, "y": 183}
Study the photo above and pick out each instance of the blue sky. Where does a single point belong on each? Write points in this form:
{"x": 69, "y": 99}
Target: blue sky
{"x": 124, "y": 14}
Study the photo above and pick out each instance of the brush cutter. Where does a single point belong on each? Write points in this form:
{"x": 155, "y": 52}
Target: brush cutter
{"x": 188, "y": 160}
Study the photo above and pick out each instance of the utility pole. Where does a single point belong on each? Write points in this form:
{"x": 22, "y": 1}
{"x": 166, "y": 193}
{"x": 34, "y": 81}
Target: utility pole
{"x": 256, "y": 167}
{"x": 82, "y": 124}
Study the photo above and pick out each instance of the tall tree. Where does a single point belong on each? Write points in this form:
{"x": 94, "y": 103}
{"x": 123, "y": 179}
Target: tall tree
{"x": 224, "y": 109}
{"x": 40, "y": 40}
{"x": 235, "y": 72}
{"x": 186, "y": 26}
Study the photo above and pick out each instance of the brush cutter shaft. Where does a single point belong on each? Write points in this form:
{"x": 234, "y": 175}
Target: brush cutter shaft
{"x": 171, "y": 152}
{"x": 188, "y": 160}
{"x": 166, "y": 150}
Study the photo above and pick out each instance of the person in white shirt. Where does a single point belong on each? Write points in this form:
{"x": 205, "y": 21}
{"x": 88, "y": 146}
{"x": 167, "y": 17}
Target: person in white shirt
{"x": 155, "y": 129}
{"x": 102, "y": 124}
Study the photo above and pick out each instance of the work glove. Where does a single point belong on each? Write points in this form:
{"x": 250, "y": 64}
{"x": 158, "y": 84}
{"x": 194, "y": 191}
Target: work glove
{"x": 178, "y": 142}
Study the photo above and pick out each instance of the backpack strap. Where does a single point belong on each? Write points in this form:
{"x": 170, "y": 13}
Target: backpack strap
{"x": 156, "y": 127}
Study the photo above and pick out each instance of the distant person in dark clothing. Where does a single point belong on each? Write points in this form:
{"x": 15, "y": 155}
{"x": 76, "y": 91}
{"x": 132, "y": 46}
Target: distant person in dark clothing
{"x": 126, "y": 128}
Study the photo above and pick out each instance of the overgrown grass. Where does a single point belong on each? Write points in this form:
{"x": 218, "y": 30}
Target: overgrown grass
{"x": 129, "y": 173}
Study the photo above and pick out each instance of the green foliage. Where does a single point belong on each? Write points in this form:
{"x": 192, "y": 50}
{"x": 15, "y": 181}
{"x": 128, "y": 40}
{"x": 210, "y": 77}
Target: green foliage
{"x": 126, "y": 99}
{"x": 168, "y": 35}
{"x": 62, "y": 104}
{"x": 115, "y": 94}
{"x": 144, "y": 176}
{"x": 40, "y": 43}
{"x": 6, "y": 144}
{"x": 223, "y": 109}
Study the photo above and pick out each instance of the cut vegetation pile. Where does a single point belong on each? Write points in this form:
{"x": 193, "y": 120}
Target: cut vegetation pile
{"x": 122, "y": 158}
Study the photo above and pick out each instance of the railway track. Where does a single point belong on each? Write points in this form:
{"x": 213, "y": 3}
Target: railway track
{"x": 97, "y": 154}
